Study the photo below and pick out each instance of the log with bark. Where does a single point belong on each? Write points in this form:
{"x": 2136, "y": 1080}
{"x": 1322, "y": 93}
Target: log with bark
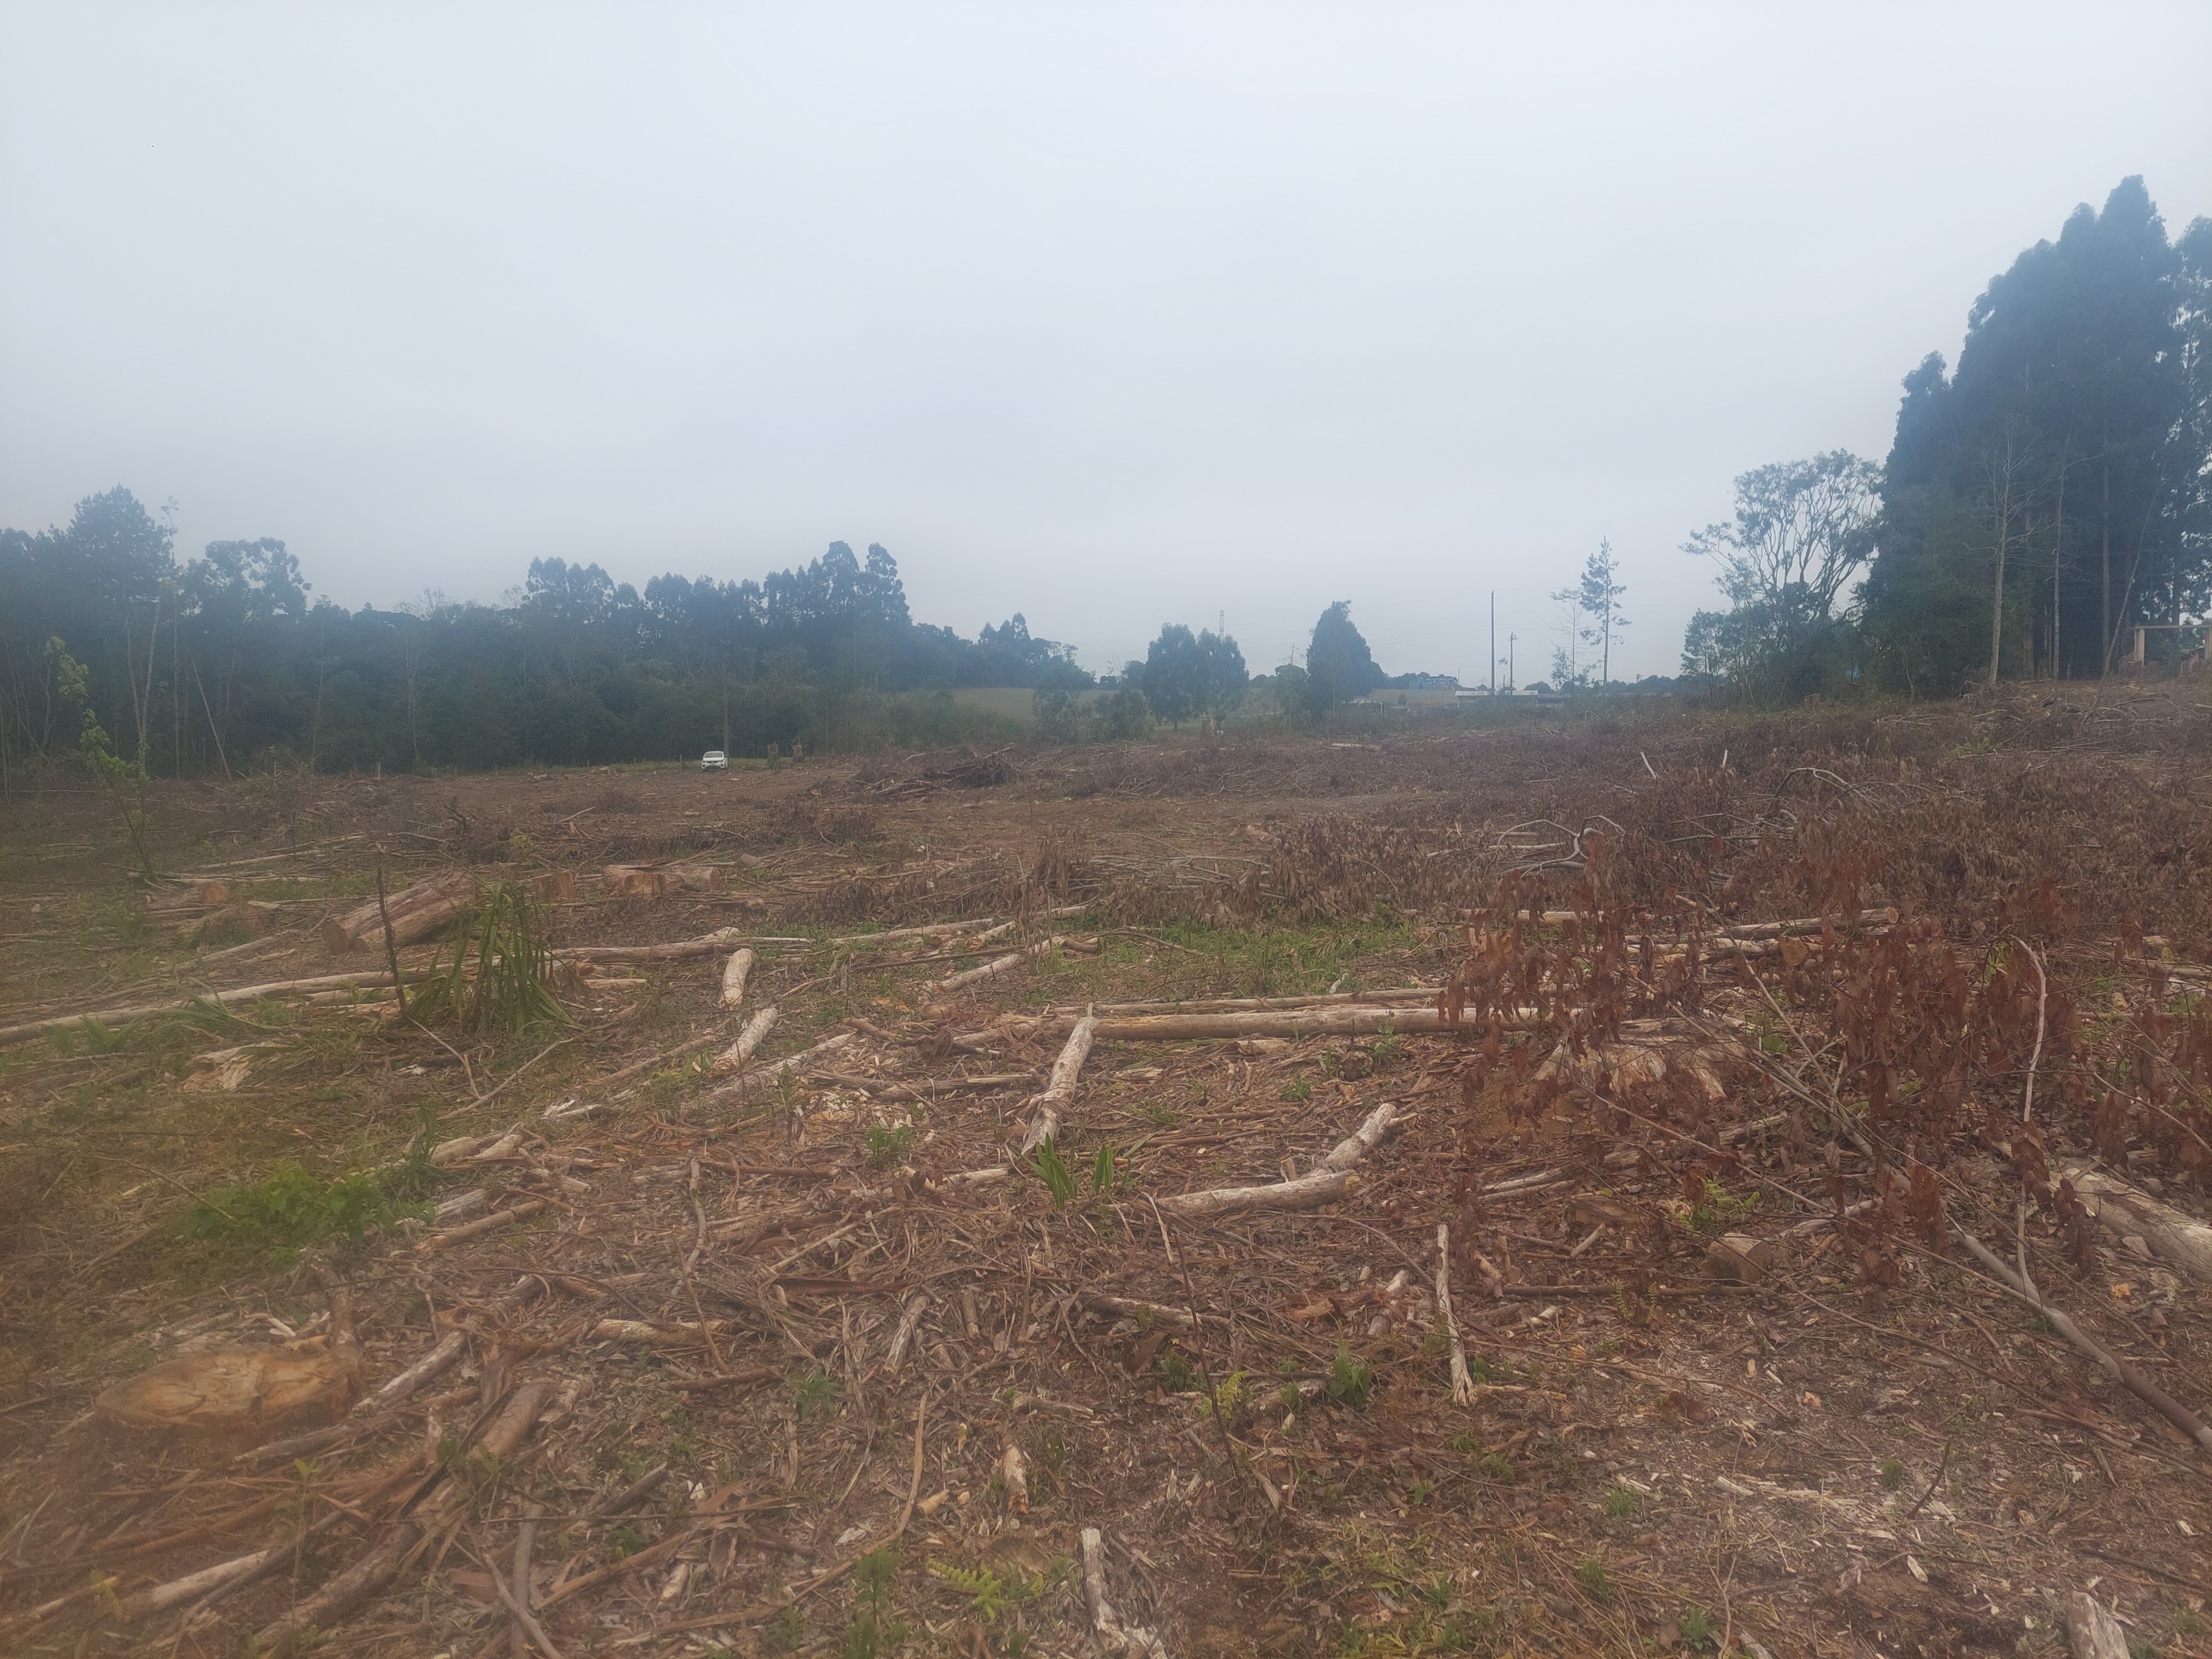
{"x": 1045, "y": 1109}
{"x": 1331, "y": 1181}
{"x": 416, "y": 913}
{"x": 2179, "y": 1240}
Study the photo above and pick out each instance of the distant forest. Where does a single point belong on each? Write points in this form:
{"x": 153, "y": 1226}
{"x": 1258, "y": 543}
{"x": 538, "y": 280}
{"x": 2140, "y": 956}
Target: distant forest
{"x": 223, "y": 663}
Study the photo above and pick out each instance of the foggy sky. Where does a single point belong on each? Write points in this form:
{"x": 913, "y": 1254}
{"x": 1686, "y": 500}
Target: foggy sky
{"x": 1113, "y": 315}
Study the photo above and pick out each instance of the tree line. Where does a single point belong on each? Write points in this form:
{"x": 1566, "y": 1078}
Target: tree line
{"x": 223, "y": 663}
{"x": 2040, "y": 503}
{"x": 227, "y": 663}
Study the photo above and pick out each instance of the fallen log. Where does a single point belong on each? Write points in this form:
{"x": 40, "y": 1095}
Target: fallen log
{"x": 1044, "y": 1120}
{"x": 363, "y": 979}
{"x": 2179, "y": 1240}
{"x": 1331, "y": 1181}
{"x": 416, "y": 912}
{"x": 1361, "y": 1020}
{"x": 681, "y": 950}
{"x": 733, "y": 978}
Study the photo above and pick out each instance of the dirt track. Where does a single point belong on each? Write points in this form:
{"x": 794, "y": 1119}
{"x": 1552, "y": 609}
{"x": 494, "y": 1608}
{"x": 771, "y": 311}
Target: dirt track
{"x": 1869, "y": 1448}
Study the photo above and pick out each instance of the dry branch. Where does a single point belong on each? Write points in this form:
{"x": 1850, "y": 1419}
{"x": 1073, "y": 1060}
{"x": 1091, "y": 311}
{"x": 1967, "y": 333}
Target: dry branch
{"x": 1112, "y": 1634}
{"x": 448, "y": 1349}
{"x": 1044, "y": 1120}
{"x": 1308, "y": 1192}
{"x": 1462, "y": 1383}
{"x": 323, "y": 1611}
{"x": 2144, "y": 1390}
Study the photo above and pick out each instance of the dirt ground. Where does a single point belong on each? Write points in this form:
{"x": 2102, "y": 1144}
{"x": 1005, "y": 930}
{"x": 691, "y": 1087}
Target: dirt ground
{"x": 811, "y": 1359}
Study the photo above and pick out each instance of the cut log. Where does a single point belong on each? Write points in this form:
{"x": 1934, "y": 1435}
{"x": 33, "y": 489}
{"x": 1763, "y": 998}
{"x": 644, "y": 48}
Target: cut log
{"x": 992, "y": 970}
{"x": 416, "y": 913}
{"x": 1738, "y": 1256}
{"x": 483, "y": 1224}
{"x": 1044, "y": 1118}
{"x": 2178, "y": 1240}
{"x": 733, "y": 978}
{"x": 658, "y": 880}
{"x": 1362, "y": 1019}
{"x": 755, "y": 1033}
{"x": 1331, "y": 1181}
{"x": 1414, "y": 996}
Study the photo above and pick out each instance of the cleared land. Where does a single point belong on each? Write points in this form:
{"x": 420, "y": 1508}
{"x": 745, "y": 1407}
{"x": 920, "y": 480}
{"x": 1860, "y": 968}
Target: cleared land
{"x": 661, "y": 1355}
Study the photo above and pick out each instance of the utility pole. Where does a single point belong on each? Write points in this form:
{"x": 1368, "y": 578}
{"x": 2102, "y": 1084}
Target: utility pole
{"x": 1493, "y": 642}
{"x": 1510, "y": 639}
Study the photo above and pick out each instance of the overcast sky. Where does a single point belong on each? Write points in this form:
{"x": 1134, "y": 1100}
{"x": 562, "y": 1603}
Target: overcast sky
{"x": 1113, "y": 315}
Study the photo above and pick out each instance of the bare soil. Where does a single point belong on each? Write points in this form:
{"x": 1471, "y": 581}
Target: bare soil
{"x": 1871, "y": 1448}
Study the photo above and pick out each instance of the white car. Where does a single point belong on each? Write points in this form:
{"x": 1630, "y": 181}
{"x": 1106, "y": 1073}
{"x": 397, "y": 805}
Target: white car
{"x": 714, "y": 761}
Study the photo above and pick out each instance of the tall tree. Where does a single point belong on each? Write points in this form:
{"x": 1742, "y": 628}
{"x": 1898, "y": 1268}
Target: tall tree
{"x": 1339, "y": 665}
{"x": 1601, "y": 593}
{"x": 2071, "y": 443}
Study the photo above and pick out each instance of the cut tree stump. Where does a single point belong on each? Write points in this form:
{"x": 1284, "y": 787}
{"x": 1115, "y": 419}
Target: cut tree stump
{"x": 416, "y": 913}
{"x": 235, "y": 1392}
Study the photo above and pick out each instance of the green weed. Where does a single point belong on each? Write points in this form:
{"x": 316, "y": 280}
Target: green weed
{"x": 890, "y": 1147}
{"x": 1351, "y": 1379}
{"x": 1620, "y": 1502}
{"x": 1055, "y": 1173}
{"x": 509, "y": 989}
{"x": 814, "y": 1389}
{"x": 1591, "y": 1576}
